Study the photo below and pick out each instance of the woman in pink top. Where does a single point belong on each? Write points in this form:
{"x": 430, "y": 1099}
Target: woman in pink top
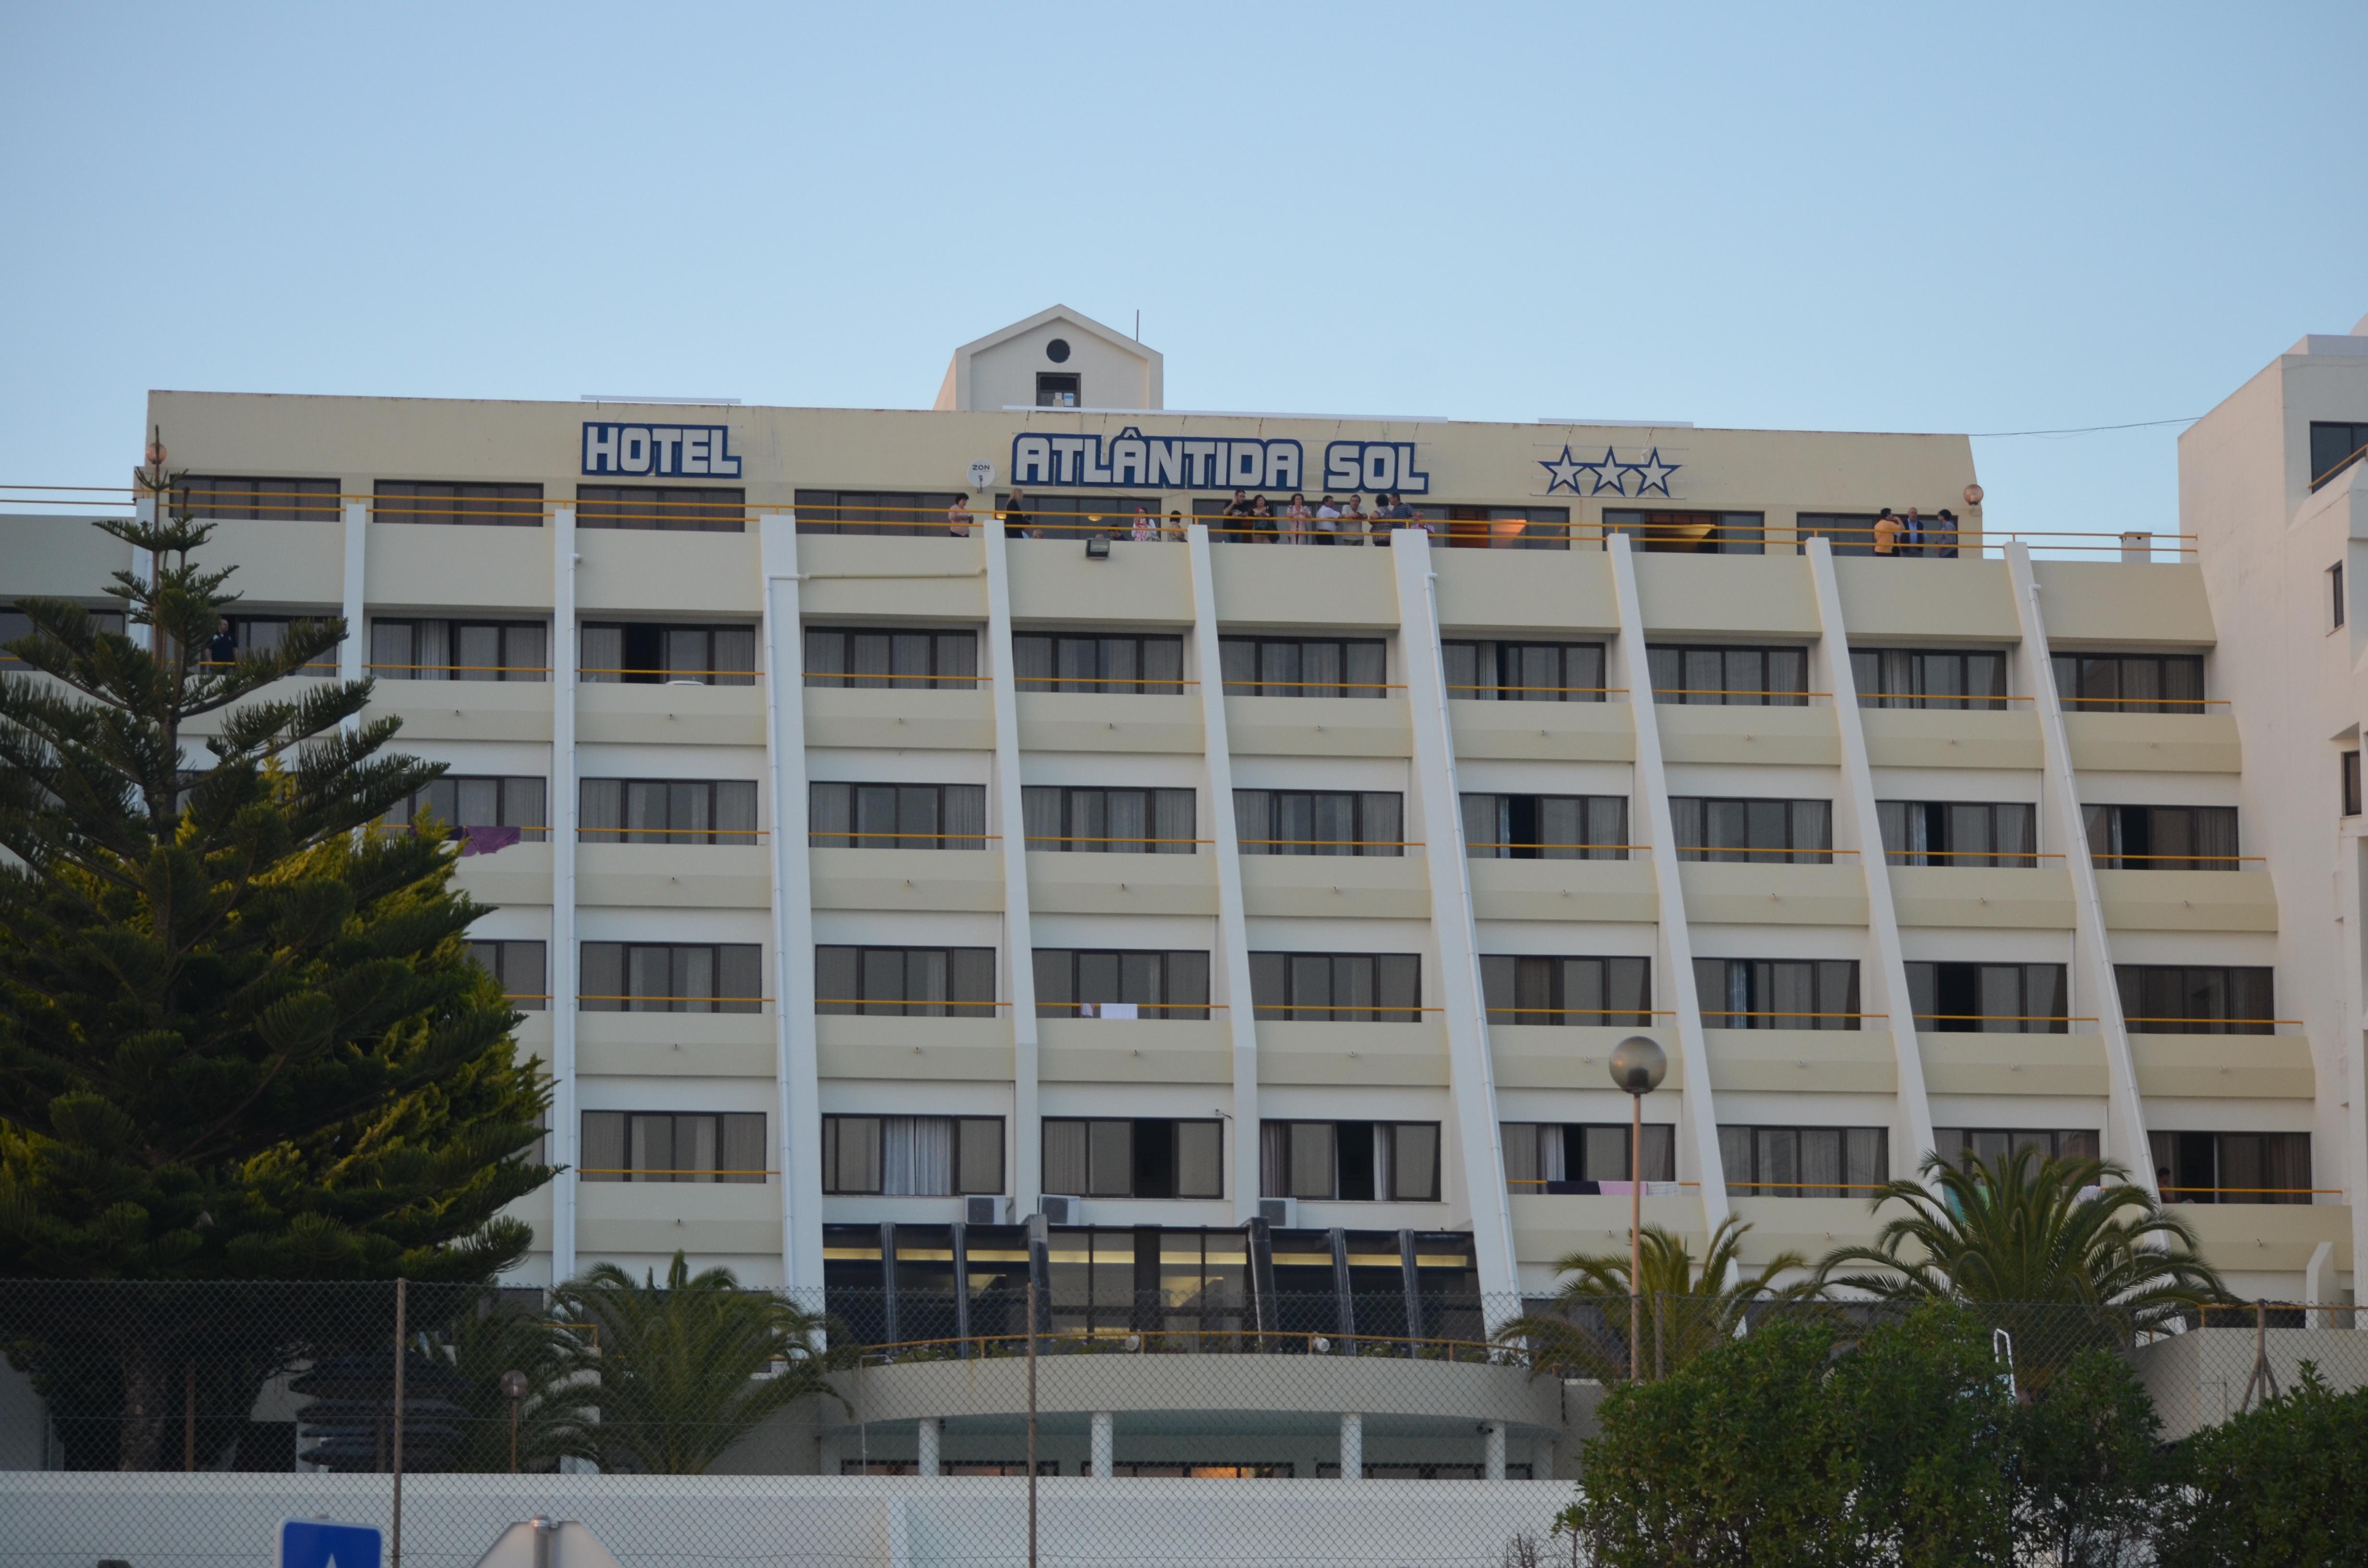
{"x": 1297, "y": 520}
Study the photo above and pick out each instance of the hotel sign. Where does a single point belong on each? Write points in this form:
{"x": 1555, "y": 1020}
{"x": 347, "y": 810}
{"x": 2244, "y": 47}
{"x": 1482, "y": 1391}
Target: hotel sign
{"x": 1180, "y": 462}
{"x": 673, "y": 452}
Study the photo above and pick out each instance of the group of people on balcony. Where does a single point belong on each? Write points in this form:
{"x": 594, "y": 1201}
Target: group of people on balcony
{"x": 1915, "y": 534}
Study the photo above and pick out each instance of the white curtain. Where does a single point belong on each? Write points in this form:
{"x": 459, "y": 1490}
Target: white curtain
{"x": 916, "y": 1156}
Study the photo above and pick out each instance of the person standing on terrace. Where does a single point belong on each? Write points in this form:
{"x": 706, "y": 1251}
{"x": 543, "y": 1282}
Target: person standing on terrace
{"x": 1017, "y": 523}
{"x": 1298, "y": 521}
{"x": 1146, "y": 527}
{"x": 1886, "y": 534}
{"x": 1237, "y": 517}
{"x": 958, "y": 518}
{"x": 1327, "y": 521}
{"x": 1352, "y": 519}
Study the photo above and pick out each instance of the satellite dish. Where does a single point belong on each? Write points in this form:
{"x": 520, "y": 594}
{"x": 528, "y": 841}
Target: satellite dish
{"x": 982, "y": 476}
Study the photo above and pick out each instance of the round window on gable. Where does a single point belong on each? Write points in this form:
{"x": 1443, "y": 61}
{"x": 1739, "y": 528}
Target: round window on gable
{"x": 1057, "y": 351}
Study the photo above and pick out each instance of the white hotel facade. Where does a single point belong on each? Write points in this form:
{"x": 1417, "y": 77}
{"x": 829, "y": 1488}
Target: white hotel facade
{"x": 878, "y": 886}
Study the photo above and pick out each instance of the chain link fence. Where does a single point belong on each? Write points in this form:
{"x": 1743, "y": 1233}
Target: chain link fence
{"x": 704, "y": 1424}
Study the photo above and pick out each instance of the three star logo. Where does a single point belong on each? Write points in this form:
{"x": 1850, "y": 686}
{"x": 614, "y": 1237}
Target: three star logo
{"x": 1562, "y": 473}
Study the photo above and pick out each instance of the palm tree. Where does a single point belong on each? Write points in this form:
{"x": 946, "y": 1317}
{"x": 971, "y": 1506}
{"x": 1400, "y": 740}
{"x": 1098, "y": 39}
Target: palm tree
{"x": 1687, "y": 1308}
{"x": 687, "y": 1369}
{"x": 2063, "y": 1251}
{"x": 555, "y": 1413}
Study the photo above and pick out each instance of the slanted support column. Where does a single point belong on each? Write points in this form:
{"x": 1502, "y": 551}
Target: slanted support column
{"x": 352, "y": 657}
{"x": 797, "y": 1079}
{"x": 565, "y": 1121}
{"x": 1233, "y": 924}
{"x": 1471, "y": 1078}
{"x": 1492, "y": 1450}
{"x": 1352, "y": 1434}
{"x": 1889, "y": 992}
{"x": 1105, "y": 1445}
{"x": 928, "y": 1436}
{"x": 2061, "y": 823}
{"x": 149, "y": 506}
{"x": 1674, "y": 987}
{"x": 1018, "y": 931}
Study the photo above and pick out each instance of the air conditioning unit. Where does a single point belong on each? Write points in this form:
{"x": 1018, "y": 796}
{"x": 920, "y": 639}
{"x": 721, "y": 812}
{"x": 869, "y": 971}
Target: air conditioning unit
{"x": 981, "y": 1210}
{"x": 1282, "y": 1213}
{"x": 1060, "y": 1211}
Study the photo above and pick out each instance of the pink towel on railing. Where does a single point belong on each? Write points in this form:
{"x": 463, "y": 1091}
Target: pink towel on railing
{"x": 485, "y": 840}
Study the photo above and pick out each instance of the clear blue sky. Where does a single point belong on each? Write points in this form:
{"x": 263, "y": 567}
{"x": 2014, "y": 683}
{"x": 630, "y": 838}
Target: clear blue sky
{"x": 1912, "y": 218}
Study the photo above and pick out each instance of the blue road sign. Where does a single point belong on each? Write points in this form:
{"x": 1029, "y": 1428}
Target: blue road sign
{"x": 317, "y": 1543}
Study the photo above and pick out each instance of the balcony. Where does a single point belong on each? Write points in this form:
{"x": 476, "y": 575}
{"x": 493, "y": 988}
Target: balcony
{"x": 1551, "y": 1225}
{"x": 2020, "y": 898}
{"x": 1945, "y": 738}
{"x": 1359, "y": 1054}
{"x": 1794, "y": 737}
{"x": 2055, "y": 1064}
{"x": 2188, "y": 900}
{"x": 2223, "y": 1066}
{"x": 1135, "y": 1051}
{"x": 467, "y": 709}
{"x": 2204, "y": 742}
{"x": 677, "y": 1045}
{"x": 1745, "y": 894}
{"x": 1359, "y": 886}
{"x": 855, "y": 1045}
{"x": 959, "y": 720}
{"x": 1840, "y": 1062}
{"x": 907, "y": 879}
{"x": 1565, "y": 890}
{"x": 670, "y": 876}
{"x": 621, "y": 714}
{"x": 1552, "y": 731}
{"x": 1120, "y": 721}
{"x": 1320, "y": 726}
{"x": 654, "y": 1216}
{"x": 1577, "y": 1056}
{"x": 1076, "y": 882}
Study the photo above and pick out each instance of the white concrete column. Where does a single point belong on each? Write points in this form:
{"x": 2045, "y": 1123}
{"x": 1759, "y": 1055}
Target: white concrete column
{"x": 1233, "y": 924}
{"x": 1492, "y": 1450}
{"x": 1352, "y": 1431}
{"x": 1674, "y": 987}
{"x": 352, "y": 654}
{"x": 566, "y": 649}
{"x": 148, "y": 508}
{"x": 1912, "y": 1119}
{"x": 1471, "y": 1076}
{"x": 2061, "y": 822}
{"x": 1105, "y": 1445}
{"x": 1018, "y": 930}
{"x": 927, "y": 1433}
{"x": 797, "y": 1134}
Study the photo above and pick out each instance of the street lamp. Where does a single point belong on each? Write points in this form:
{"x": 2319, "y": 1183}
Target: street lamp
{"x": 1638, "y": 1065}
{"x": 514, "y": 1390}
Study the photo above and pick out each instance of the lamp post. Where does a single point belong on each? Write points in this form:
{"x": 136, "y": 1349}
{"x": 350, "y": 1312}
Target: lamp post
{"x": 1638, "y": 1065}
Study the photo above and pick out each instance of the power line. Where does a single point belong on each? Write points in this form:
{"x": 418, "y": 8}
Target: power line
{"x": 2080, "y": 429}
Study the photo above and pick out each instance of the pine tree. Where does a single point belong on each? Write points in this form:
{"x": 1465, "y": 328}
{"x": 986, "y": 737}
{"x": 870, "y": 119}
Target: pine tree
{"x": 241, "y": 1037}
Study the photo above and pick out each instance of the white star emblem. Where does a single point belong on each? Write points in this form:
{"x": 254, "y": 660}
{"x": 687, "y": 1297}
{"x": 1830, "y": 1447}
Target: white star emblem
{"x": 1608, "y": 474}
{"x": 1654, "y": 474}
{"x": 1562, "y": 473}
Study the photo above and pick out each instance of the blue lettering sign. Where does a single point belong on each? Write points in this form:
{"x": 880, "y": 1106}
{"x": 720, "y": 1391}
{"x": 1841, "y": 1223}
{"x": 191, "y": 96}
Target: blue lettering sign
{"x": 1133, "y": 459}
{"x": 675, "y": 451}
{"x": 1374, "y": 465}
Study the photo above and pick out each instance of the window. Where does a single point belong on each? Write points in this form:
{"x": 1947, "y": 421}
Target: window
{"x": 520, "y": 968}
{"x": 639, "y": 1145}
{"x": 1959, "y": 833}
{"x": 2197, "y": 998}
{"x": 1303, "y": 666}
{"x": 905, "y": 661}
{"x": 668, "y": 810}
{"x": 1988, "y": 998}
{"x": 2334, "y": 443}
{"x": 1526, "y": 989}
{"x": 1100, "y": 1157}
{"x": 1545, "y": 827}
{"x": 671, "y": 977}
{"x": 912, "y": 1157}
{"x": 1320, "y": 822}
{"x": 896, "y": 816}
{"x": 875, "y": 511}
{"x": 1846, "y": 533}
{"x": 1066, "y": 515}
{"x": 1777, "y": 993}
{"x": 1524, "y": 672}
{"x": 459, "y": 650}
{"x": 2348, "y": 781}
{"x": 1993, "y": 1144}
{"x": 909, "y": 982}
{"x": 219, "y": 496}
{"x": 2130, "y": 683}
{"x": 466, "y": 504}
{"x": 1691, "y": 533}
{"x": 2232, "y": 1167}
{"x": 1805, "y": 1162}
{"x": 1076, "y": 661}
{"x": 1351, "y": 1162}
{"x": 466, "y": 800}
{"x": 644, "y": 652}
{"x": 1340, "y": 988}
{"x": 1498, "y": 527}
{"x": 1742, "y": 678}
{"x": 670, "y": 508}
{"x": 1762, "y": 832}
{"x": 1930, "y": 677}
{"x": 2162, "y": 838}
{"x": 259, "y": 635}
{"x": 2335, "y": 596}
{"x": 1571, "y": 1156}
{"x": 1057, "y": 389}
{"x": 1095, "y": 821}
{"x": 1082, "y": 983}
{"x": 15, "y": 623}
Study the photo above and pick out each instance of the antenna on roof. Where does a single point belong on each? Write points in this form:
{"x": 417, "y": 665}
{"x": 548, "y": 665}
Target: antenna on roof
{"x": 1138, "y": 326}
